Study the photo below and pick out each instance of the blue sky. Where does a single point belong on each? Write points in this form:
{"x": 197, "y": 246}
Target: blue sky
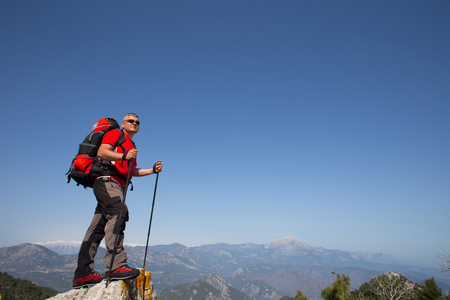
{"x": 325, "y": 120}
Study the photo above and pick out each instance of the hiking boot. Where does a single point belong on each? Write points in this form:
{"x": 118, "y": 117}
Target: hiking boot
{"x": 124, "y": 272}
{"x": 87, "y": 280}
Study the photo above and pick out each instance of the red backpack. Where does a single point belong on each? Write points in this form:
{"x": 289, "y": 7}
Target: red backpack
{"x": 86, "y": 166}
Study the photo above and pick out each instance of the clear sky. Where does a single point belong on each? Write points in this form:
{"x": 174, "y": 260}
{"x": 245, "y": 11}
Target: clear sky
{"x": 325, "y": 120}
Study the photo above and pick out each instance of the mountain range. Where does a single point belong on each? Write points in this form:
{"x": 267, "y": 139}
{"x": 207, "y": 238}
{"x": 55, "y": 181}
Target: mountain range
{"x": 267, "y": 271}
{"x": 211, "y": 287}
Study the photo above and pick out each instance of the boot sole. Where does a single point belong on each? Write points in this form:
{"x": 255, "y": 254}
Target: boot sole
{"x": 86, "y": 285}
{"x": 124, "y": 277}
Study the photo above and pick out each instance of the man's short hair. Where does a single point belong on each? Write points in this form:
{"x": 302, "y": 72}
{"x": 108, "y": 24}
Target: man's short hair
{"x": 129, "y": 114}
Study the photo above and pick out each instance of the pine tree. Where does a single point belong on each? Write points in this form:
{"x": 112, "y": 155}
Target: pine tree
{"x": 429, "y": 290}
{"x": 339, "y": 290}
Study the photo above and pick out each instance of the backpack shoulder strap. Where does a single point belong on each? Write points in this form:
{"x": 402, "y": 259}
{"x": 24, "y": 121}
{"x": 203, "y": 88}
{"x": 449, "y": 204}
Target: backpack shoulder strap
{"x": 122, "y": 140}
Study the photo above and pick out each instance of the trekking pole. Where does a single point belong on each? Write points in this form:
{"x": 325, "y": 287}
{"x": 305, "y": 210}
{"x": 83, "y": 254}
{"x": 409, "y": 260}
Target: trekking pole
{"x": 148, "y": 234}
{"x": 108, "y": 278}
{"x": 151, "y": 217}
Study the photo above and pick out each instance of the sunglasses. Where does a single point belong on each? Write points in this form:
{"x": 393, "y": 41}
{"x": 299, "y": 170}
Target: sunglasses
{"x": 133, "y": 121}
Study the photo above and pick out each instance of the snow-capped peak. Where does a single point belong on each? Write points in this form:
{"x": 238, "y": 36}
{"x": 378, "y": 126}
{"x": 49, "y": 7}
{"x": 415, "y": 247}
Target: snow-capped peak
{"x": 60, "y": 243}
{"x": 62, "y": 247}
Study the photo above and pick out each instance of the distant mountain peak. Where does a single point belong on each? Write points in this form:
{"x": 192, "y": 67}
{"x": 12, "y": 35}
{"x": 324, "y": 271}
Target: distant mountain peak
{"x": 289, "y": 243}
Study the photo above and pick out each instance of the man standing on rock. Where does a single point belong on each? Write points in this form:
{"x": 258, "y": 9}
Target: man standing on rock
{"x": 109, "y": 191}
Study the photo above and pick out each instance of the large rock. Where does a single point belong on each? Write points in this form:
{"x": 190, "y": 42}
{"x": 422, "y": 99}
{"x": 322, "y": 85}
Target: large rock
{"x": 139, "y": 288}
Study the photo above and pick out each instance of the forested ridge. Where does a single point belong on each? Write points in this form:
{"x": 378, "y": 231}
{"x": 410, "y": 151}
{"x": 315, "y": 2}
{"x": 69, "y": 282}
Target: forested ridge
{"x": 13, "y": 288}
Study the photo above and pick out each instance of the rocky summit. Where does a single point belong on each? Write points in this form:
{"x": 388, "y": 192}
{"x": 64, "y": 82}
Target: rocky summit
{"x": 140, "y": 288}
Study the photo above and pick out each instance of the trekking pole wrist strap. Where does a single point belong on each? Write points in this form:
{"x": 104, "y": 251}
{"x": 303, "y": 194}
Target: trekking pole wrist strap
{"x": 124, "y": 156}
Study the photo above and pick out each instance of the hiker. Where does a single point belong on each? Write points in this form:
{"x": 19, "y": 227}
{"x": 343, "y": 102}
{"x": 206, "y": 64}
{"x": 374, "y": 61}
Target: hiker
{"x": 109, "y": 191}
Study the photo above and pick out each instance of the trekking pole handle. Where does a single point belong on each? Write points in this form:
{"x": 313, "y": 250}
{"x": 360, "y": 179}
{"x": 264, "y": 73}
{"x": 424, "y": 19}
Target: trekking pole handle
{"x": 155, "y": 171}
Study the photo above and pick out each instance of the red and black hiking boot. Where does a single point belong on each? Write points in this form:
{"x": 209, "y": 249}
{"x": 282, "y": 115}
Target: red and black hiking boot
{"x": 85, "y": 281}
{"x": 124, "y": 272}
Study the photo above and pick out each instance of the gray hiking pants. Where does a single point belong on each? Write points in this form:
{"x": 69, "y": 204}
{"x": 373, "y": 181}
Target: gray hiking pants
{"x": 109, "y": 194}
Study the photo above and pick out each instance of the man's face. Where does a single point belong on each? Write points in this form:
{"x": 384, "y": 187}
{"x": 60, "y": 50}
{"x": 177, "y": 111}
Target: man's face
{"x": 130, "y": 125}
